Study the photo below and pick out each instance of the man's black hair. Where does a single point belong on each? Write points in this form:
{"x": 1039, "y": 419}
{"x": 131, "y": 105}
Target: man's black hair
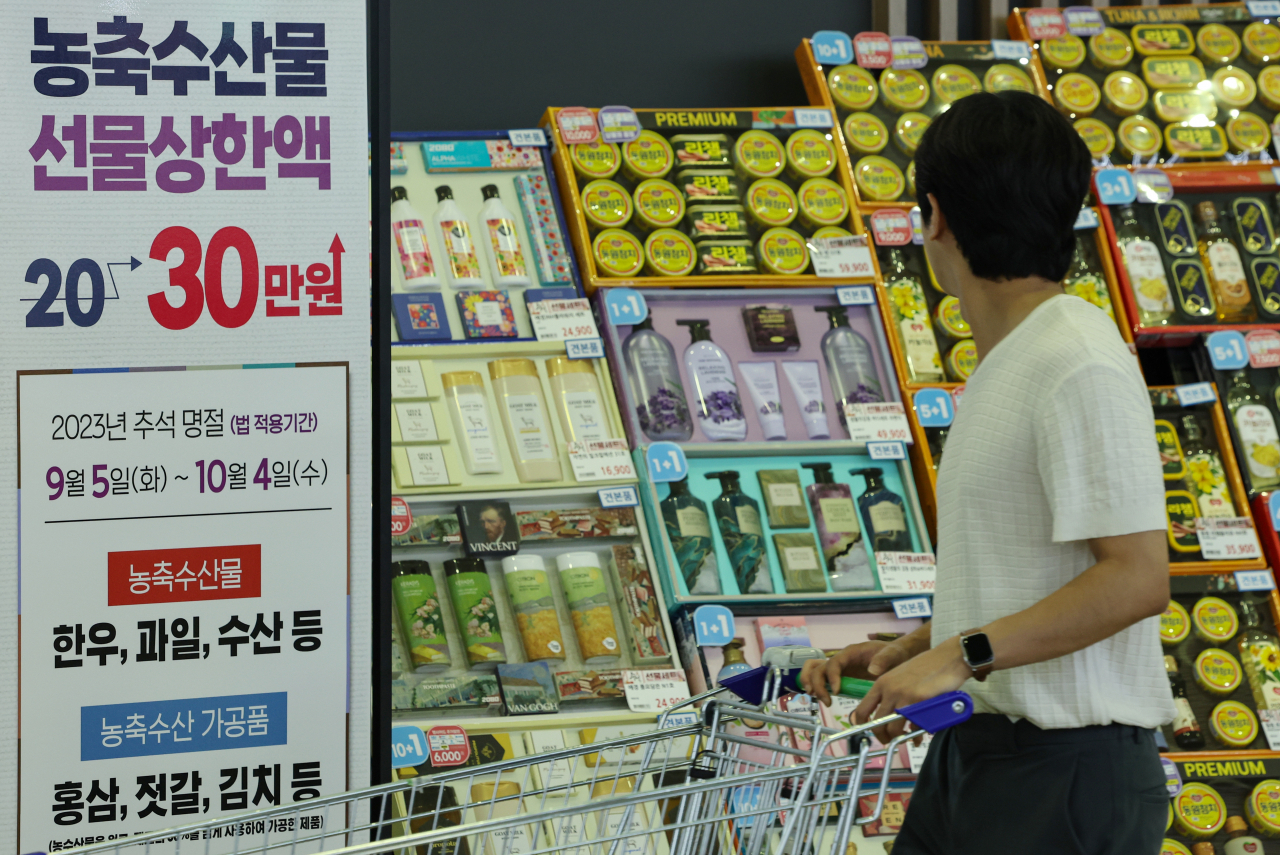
{"x": 1010, "y": 174}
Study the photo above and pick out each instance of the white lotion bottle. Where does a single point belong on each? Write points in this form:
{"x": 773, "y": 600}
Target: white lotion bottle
{"x": 715, "y": 391}
{"x": 460, "y": 266}
{"x": 472, "y": 425}
{"x": 417, "y": 267}
{"x": 500, "y": 240}
{"x": 575, "y": 395}
{"x": 762, "y": 383}
{"x": 523, "y": 410}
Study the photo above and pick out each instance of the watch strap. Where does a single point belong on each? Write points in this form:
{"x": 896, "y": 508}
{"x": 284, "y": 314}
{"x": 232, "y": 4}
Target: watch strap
{"x": 979, "y": 673}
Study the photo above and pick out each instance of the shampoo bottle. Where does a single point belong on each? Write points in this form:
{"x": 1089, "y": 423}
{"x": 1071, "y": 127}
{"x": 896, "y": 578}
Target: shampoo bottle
{"x": 500, "y": 240}
{"x": 416, "y": 265}
{"x": 838, "y": 531}
{"x": 883, "y": 513}
{"x": 738, "y": 517}
{"x": 461, "y": 268}
{"x": 851, "y": 364}
{"x": 655, "y": 384}
{"x": 715, "y": 391}
{"x": 689, "y": 530}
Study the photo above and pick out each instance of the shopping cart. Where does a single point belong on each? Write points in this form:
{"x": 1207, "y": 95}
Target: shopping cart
{"x": 696, "y": 785}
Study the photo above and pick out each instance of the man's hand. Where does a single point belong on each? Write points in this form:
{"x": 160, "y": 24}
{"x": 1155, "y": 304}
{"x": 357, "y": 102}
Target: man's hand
{"x": 924, "y": 676}
{"x": 866, "y": 661}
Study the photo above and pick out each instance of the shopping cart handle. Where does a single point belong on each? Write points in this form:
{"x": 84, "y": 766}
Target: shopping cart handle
{"x": 939, "y": 713}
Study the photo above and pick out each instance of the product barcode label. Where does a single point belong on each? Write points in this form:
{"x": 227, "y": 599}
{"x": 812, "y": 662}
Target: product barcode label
{"x": 601, "y": 460}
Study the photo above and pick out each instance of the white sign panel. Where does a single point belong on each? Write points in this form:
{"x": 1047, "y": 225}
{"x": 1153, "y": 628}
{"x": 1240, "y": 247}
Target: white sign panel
{"x": 187, "y": 190}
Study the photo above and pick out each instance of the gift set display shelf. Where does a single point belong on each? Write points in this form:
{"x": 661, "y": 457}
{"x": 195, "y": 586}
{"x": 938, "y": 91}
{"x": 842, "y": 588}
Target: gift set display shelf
{"x": 975, "y": 56}
{"x": 435, "y": 359}
{"x": 1195, "y": 122}
{"x": 780, "y": 119}
{"x": 526, "y": 185}
{"x": 1193, "y": 183}
{"x": 543, "y": 509}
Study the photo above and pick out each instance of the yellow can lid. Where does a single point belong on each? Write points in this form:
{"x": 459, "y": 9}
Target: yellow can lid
{"x": 903, "y": 89}
{"x": 865, "y": 133}
{"x": 1233, "y": 724}
{"x": 1262, "y": 808}
{"x": 1097, "y": 137}
{"x": 852, "y": 87}
{"x": 1261, "y": 42}
{"x": 811, "y": 153}
{"x": 759, "y": 154}
{"x": 670, "y": 253}
{"x": 947, "y": 315}
{"x": 649, "y": 155}
{"x": 783, "y": 251}
{"x": 1173, "y": 847}
{"x": 1198, "y": 811}
{"x": 908, "y": 131}
{"x": 878, "y": 178}
{"x": 595, "y": 159}
{"x": 832, "y": 232}
{"x": 1066, "y": 52}
{"x": 1234, "y": 87}
{"x": 606, "y": 204}
{"x": 823, "y": 202}
{"x": 618, "y": 252}
{"x": 1269, "y": 86}
{"x": 911, "y": 178}
{"x": 1162, "y": 39}
{"x": 658, "y": 203}
{"x": 1248, "y": 133}
{"x": 1217, "y": 671}
{"x": 1076, "y": 94}
{"x": 1175, "y": 625}
{"x": 1003, "y": 77}
{"x": 1111, "y": 49}
{"x": 1124, "y": 93}
{"x": 1139, "y": 135}
{"x": 953, "y": 82}
{"x": 962, "y": 360}
{"x": 771, "y": 202}
{"x": 1217, "y": 43}
{"x": 1215, "y": 620}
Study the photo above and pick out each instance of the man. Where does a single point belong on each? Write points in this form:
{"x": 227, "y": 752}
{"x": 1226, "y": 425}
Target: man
{"x": 1052, "y": 564}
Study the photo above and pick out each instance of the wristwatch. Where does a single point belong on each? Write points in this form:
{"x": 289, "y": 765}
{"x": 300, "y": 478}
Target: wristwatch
{"x": 977, "y": 653}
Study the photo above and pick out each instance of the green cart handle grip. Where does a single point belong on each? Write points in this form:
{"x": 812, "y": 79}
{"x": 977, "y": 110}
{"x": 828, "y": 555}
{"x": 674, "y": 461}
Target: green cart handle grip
{"x": 854, "y": 688}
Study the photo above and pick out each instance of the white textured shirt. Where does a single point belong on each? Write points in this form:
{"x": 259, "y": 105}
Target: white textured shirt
{"x": 1053, "y": 444}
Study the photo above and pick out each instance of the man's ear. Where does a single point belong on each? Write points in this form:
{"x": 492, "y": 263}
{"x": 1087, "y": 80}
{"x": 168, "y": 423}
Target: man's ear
{"x": 937, "y": 225}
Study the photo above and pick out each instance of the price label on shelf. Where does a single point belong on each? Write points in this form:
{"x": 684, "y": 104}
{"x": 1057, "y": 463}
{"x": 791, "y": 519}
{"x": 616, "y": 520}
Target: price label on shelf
{"x": 1227, "y": 350}
{"x": 1011, "y": 50}
{"x": 877, "y": 422}
{"x": 1172, "y": 777}
{"x": 601, "y": 460}
{"x": 873, "y": 50}
{"x": 401, "y": 516}
{"x": 913, "y": 607}
{"x": 1115, "y": 186}
{"x": 1195, "y": 393}
{"x": 1043, "y": 24}
{"x": 618, "y": 124}
{"x": 1263, "y": 347}
{"x": 855, "y": 295}
{"x": 447, "y": 745}
{"x": 886, "y": 451}
{"x": 577, "y": 125}
{"x": 1227, "y": 538}
{"x": 1084, "y": 21}
{"x": 618, "y": 497}
{"x": 908, "y": 52}
{"x": 1270, "y": 721}
{"x": 813, "y": 118}
{"x": 1255, "y": 580}
{"x": 891, "y": 227}
{"x": 1087, "y": 219}
{"x": 584, "y": 348}
{"x": 527, "y": 136}
{"x": 408, "y": 746}
{"x": 841, "y": 256}
{"x": 654, "y": 690}
{"x": 1264, "y": 8}
{"x": 1152, "y": 186}
{"x": 832, "y": 47}
{"x": 906, "y": 572}
{"x": 917, "y": 753}
{"x": 559, "y": 320}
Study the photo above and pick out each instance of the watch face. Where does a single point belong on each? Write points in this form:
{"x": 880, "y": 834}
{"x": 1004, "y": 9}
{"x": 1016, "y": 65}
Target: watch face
{"x": 977, "y": 649}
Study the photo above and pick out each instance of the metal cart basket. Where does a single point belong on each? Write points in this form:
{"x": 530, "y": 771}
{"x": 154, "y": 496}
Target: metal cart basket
{"x": 696, "y": 785}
